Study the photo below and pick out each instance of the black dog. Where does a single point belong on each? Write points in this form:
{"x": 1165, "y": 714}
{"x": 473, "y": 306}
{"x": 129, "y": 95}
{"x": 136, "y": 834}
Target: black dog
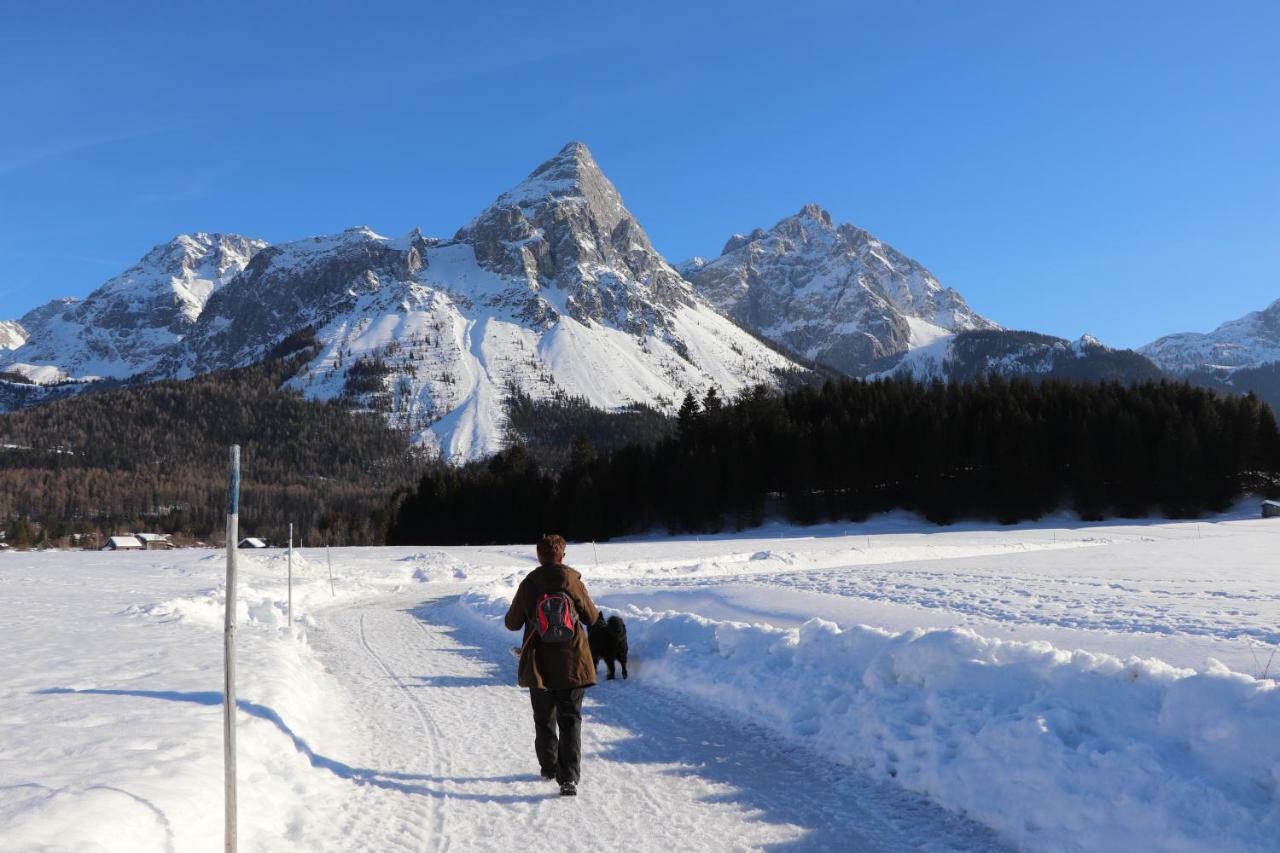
{"x": 609, "y": 641}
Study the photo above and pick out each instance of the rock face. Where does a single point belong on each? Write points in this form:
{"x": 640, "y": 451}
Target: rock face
{"x": 830, "y": 293}
{"x": 1250, "y": 341}
{"x": 134, "y": 320}
{"x": 564, "y": 233}
{"x": 290, "y": 286}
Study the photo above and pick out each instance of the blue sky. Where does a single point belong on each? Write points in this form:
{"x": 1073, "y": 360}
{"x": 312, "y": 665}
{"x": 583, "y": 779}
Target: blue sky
{"x": 1068, "y": 167}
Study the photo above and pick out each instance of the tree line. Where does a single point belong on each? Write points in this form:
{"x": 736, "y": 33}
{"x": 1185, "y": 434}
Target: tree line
{"x": 154, "y": 458}
{"x": 994, "y": 448}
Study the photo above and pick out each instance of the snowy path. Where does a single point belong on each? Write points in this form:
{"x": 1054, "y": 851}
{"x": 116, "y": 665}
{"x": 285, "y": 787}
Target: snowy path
{"x": 441, "y": 759}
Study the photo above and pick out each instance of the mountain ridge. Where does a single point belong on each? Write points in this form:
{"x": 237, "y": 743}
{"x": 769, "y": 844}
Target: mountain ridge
{"x": 554, "y": 289}
{"x": 1247, "y": 341}
{"x": 801, "y": 281}
{"x": 132, "y": 320}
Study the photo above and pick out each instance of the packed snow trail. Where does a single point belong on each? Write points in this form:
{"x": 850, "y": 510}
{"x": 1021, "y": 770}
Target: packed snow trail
{"x": 444, "y": 761}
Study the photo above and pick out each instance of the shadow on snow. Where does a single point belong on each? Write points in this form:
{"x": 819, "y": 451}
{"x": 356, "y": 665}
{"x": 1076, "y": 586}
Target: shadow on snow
{"x": 407, "y": 783}
{"x": 839, "y": 808}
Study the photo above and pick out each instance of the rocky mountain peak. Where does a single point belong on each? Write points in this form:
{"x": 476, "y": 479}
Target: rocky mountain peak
{"x": 572, "y": 165}
{"x": 817, "y": 214}
{"x": 830, "y": 292}
{"x": 1087, "y": 340}
{"x": 1246, "y": 342}
{"x": 737, "y": 241}
{"x": 564, "y": 228}
{"x": 571, "y": 176}
{"x": 128, "y": 323}
{"x": 212, "y": 257}
{"x": 41, "y": 314}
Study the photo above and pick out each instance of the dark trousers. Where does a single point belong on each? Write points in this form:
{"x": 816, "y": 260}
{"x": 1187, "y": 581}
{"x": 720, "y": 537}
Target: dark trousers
{"x": 561, "y": 755}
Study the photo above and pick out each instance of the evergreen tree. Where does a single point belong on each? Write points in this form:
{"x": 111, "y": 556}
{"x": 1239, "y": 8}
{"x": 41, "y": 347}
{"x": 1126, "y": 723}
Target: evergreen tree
{"x": 687, "y": 416}
{"x": 1005, "y": 450}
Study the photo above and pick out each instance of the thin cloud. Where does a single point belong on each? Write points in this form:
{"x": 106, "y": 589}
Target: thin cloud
{"x": 21, "y": 162}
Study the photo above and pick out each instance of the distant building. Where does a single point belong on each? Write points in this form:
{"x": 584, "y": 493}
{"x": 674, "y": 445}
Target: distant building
{"x": 154, "y": 541}
{"x": 1271, "y": 509}
{"x": 124, "y": 543}
{"x": 252, "y": 542}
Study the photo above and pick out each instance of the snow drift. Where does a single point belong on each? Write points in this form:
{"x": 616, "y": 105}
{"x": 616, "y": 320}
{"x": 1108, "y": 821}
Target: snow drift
{"x": 1057, "y": 750}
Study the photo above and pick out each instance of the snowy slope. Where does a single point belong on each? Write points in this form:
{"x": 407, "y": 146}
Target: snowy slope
{"x": 1252, "y": 340}
{"x": 12, "y": 335}
{"x": 1050, "y": 680}
{"x": 554, "y": 289}
{"x": 830, "y": 292}
{"x": 132, "y": 321}
{"x": 968, "y": 355}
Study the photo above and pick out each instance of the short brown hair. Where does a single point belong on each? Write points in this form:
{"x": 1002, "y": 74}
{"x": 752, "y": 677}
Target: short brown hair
{"x": 551, "y": 549}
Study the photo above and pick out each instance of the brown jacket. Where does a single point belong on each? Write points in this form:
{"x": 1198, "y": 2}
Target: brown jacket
{"x": 553, "y": 666}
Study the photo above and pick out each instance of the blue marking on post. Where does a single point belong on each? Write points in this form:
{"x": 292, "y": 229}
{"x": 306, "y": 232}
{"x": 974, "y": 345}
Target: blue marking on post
{"x": 233, "y": 496}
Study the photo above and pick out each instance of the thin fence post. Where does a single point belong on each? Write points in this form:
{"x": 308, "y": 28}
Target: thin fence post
{"x": 328, "y": 556}
{"x": 229, "y": 655}
{"x": 289, "y": 611}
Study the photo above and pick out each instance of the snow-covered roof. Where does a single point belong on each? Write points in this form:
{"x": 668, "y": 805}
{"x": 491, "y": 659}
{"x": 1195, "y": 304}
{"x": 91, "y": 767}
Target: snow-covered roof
{"x": 124, "y": 542}
{"x": 252, "y": 542}
{"x": 1271, "y": 503}
{"x": 152, "y": 537}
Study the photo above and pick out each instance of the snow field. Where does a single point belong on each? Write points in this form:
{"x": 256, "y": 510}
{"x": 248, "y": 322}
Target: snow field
{"x": 115, "y": 707}
{"x": 1050, "y": 681}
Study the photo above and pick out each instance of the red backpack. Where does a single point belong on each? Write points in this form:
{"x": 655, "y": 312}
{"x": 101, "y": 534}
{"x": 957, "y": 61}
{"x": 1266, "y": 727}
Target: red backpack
{"x": 554, "y": 618}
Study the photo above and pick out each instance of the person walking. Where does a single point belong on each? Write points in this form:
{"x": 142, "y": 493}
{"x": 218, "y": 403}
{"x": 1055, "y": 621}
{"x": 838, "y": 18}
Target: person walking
{"x": 553, "y": 608}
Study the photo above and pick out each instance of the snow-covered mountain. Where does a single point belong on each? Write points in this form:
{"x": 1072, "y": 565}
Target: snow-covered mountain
{"x": 1237, "y": 357}
{"x": 134, "y": 320}
{"x": 830, "y": 293}
{"x": 997, "y": 352}
{"x": 1250, "y": 341}
{"x": 554, "y": 289}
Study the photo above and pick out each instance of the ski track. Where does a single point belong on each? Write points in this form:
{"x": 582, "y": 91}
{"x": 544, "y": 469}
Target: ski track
{"x": 444, "y": 759}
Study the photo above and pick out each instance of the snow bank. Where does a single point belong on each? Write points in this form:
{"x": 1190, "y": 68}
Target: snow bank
{"x": 1056, "y": 750}
{"x": 434, "y": 567}
{"x": 115, "y": 729}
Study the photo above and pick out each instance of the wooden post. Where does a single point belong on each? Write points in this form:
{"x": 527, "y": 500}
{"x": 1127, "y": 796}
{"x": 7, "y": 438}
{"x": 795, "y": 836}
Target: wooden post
{"x": 229, "y": 655}
{"x": 289, "y": 611}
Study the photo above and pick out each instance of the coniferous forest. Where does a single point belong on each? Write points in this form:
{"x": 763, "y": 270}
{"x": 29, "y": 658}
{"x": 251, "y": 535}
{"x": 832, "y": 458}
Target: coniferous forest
{"x": 995, "y": 449}
{"x": 154, "y": 458}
